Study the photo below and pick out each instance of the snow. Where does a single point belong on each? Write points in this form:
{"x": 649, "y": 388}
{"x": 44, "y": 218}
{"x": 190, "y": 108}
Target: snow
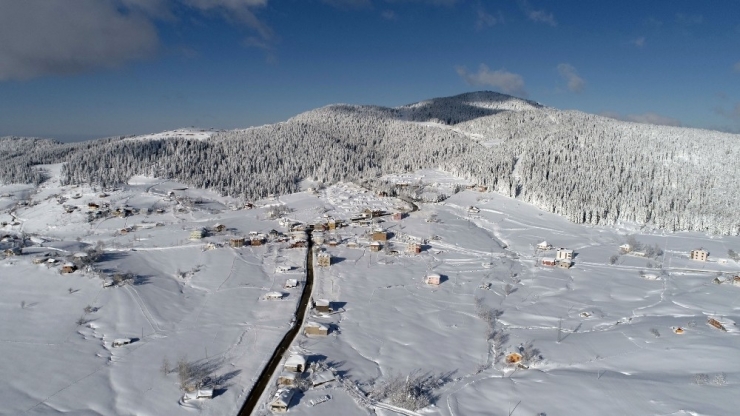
{"x": 185, "y": 133}
{"x": 598, "y": 338}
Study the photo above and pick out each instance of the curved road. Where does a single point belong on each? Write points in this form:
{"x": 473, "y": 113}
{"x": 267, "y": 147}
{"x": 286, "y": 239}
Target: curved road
{"x": 264, "y": 379}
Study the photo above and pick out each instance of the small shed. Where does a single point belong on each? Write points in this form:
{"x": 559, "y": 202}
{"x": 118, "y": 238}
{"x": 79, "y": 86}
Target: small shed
{"x": 433, "y": 279}
{"x": 397, "y": 216}
{"x": 379, "y": 235}
{"x": 68, "y": 268}
{"x": 375, "y": 246}
{"x": 219, "y": 228}
{"x": 699, "y": 254}
{"x": 286, "y": 380}
{"x": 322, "y": 306}
{"x": 205, "y": 393}
{"x": 564, "y": 254}
{"x": 544, "y": 246}
{"x": 549, "y": 261}
{"x": 273, "y": 295}
{"x": 324, "y": 259}
{"x": 281, "y": 401}
{"x": 291, "y": 283}
{"x": 197, "y": 234}
{"x": 120, "y": 342}
{"x": 315, "y": 328}
{"x": 237, "y": 242}
{"x": 296, "y": 363}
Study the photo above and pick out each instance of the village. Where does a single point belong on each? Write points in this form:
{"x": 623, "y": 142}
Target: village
{"x": 193, "y": 292}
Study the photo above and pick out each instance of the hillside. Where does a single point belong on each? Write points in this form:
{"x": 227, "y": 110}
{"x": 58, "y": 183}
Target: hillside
{"x": 588, "y": 168}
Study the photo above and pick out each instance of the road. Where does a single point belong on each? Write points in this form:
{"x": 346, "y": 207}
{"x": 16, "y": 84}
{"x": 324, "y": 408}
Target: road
{"x": 263, "y": 381}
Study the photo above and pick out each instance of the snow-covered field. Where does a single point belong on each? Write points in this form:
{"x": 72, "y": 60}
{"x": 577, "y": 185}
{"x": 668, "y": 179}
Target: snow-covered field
{"x": 613, "y": 334}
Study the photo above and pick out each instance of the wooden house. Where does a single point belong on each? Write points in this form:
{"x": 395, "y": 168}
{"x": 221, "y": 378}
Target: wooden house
{"x": 699, "y": 254}
{"x": 257, "y": 239}
{"x": 322, "y": 306}
{"x": 433, "y": 279}
{"x": 92, "y": 206}
{"x": 564, "y": 254}
{"x": 549, "y": 261}
{"x": 323, "y": 259}
{"x": 379, "y": 235}
{"x": 315, "y": 328}
{"x": 291, "y": 283}
{"x": 331, "y": 224}
{"x": 237, "y": 242}
{"x": 375, "y": 246}
{"x": 281, "y": 401}
{"x": 413, "y": 248}
{"x": 296, "y": 363}
{"x": 219, "y": 228}
{"x": 69, "y": 268}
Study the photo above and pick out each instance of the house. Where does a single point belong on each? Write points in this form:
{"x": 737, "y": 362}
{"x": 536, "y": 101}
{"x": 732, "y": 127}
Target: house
{"x": 197, "y": 234}
{"x": 204, "y": 393}
{"x": 332, "y": 224}
{"x": 68, "y": 268}
{"x": 319, "y": 227}
{"x": 625, "y": 248}
{"x": 296, "y": 363}
{"x": 544, "y": 246}
{"x": 323, "y": 377}
{"x": 237, "y": 242}
{"x": 93, "y": 206}
{"x": 482, "y": 188}
{"x": 283, "y": 269}
{"x": 281, "y": 401}
{"x": 371, "y": 213}
{"x": 219, "y": 228}
{"x": 549, "y": 261}
{"x": 299, "y": 244}
{"x": 699, "y": 254}
{"x": 291, "y": 283}
{"x": 318, "y": 237}
{"x": 397, "y": 216}
{"x": 322, "y": 306}
{"x": 273, "y": 295}
{"x": 433, "y": 279}
{"x": 564, "y": 254}
{"x": 315, "y": 328}
{"x": 352, "y": 244}
{"x": 413, "y": 248}
{"x": 120, "y": 342}
{"x": 286, "y": 380}
{"x": 256, "y": 239}
{"x": 379, "y": 235}
{"x": 564, "y": 264}
{"x": 736, "y": 281}
{"x": 375, "y": 246}
{"x": 333, "y": 243}
{"x": 323, "y": 259}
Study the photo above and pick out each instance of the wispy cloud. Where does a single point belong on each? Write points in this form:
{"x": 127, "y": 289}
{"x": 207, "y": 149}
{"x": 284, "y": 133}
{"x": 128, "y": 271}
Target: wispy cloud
{"x": 645, "y": 118}
{"x": 733, "y": 113}
{"x": 736, "y": 67}
{"x": 569, "y": 73}
{"x": 540, "y": 16}
{"x": 689, "y": 19}
{"x": 503, "y": 80}
{"x": 349, "y": 4}
{"x": 639, "y": 42}
{"x": 389, "y": 15}
{"x": 485, "y": 19}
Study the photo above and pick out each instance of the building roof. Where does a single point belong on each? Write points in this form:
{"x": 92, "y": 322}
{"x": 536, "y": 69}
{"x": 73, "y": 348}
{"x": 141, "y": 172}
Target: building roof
{"x": 316, "y": 325}
{"x": 282, "y": 398}
{"x": 295, "y": 360}
{"x": 321, "y": 302}
{"x": 270, "y": 295}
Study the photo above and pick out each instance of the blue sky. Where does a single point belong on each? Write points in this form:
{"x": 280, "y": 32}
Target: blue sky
{"x": 78, "y": 69}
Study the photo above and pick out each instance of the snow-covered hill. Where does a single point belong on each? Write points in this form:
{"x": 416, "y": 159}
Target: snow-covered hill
{"x": 588, "y": 168}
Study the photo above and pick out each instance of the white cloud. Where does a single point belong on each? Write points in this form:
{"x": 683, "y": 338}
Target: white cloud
{"x": 44, "y": 37}
{"x": 736, "y": 67}
{"x": 645, "y": 118}
{"x": 241, "y": 11}
{"x": 540, "y": 16}
{"x": 569, "y": 73}
{"x": 639, "y": 42}
{"x": 485, "y": 19}
{"x": 507, "y": 82}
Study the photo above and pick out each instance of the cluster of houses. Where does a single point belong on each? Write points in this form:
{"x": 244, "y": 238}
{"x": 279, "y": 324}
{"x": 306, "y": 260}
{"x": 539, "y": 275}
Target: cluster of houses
{"x": 563, "y": 256}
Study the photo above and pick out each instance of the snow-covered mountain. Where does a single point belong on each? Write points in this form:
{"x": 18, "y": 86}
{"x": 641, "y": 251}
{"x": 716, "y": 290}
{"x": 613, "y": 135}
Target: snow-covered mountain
{"x": 588, "y": 168}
